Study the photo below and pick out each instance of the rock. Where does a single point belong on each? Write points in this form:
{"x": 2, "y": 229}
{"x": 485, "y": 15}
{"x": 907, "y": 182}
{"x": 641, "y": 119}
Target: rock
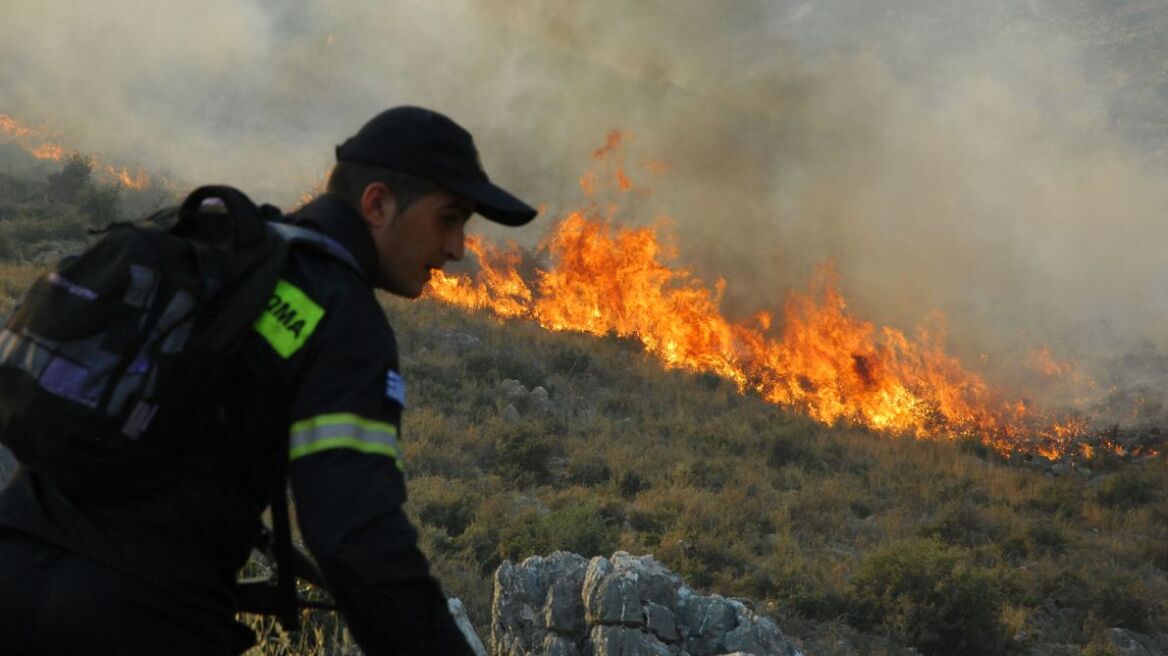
{"x": 513, "y": 615}
{"x": 539, "y": 401}
{"x": 1130, "y": 643}
{"x": 554, "y": 645}
{"x": 624, "y": 641}
{"x": 662, "y": 623}
{"x": 458, "y": 612}
{"x": 516, "y": 392}
{"x": 460, "y": 342}
{"x": 610, "y": 599}
{"x": 564, "y": 605}
{"x": 757, "y": 635}
{"x": 568, "y": 606}
{"x": 655, "y": 582}
{"x": 708, "y": 619}
{"x": 538, "y": 596}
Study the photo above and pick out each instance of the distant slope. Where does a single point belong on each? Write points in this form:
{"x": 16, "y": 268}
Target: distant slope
{"x": 817, "y": 524}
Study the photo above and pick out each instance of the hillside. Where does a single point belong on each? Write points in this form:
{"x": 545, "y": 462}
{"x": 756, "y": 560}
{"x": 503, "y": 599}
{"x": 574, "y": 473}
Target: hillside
{"x": 823, "y": 526}
{"x": 521, "y": 442}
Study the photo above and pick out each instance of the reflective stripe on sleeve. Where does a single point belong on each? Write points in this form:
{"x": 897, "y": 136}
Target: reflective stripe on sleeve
{"x": 343, "y": 431}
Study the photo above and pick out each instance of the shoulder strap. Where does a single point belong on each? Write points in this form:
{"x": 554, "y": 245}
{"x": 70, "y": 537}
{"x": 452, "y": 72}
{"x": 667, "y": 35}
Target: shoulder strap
{"x": 318, "y": 240}
{"x": 282, "y": 550}
{"x": 248, "y": 222}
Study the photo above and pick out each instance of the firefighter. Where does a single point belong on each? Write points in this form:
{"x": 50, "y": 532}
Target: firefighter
{"x": 317, "y": 395}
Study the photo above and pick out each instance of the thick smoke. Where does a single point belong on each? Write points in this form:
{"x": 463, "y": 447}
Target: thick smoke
{"x": 998, "y": 161}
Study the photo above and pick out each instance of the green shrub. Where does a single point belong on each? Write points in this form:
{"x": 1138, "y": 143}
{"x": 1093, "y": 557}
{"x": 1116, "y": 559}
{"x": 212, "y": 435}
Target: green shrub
{"x": 1119, "y": 599}
{"x": 589, "y": 470}
{"x": 931, "y": 596}
{"x": 1128, "y": 489}
{"x": 1046, "y": 538}
{"x": 630, "y": 483}
{"x": 73, "y": 180}
{"x": 962, "y": 524}
{"x": 1063, "y": 498}
{"x": 580, "y": 527}
{"x": 524, "y": 453}
{"x": 704, "y": 474}
{"x": 786, "y": 448}
{"x": 26, "y": 237}
{"x": 100, "y": 204}
{"x": 449, "y": 508}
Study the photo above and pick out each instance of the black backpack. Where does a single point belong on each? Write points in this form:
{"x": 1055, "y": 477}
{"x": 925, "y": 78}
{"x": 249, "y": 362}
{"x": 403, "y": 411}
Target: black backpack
{"x": 100, "y": 362}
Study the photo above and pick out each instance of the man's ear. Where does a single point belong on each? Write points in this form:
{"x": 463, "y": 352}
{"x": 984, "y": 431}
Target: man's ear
{"x": 377, "y": 204}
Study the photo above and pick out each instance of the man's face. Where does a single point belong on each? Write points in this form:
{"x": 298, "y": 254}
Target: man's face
{"x": 424, "y": 236}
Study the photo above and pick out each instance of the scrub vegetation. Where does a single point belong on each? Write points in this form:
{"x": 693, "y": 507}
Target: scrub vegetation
{"x": 854, "y": 542}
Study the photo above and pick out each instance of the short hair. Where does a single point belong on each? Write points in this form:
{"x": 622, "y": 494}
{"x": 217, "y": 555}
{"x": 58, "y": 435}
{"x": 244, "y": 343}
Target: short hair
{"x": 349, "y": 180}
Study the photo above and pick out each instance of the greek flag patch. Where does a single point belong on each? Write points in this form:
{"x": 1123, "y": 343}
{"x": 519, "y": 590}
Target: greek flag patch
{"x": 395, "y": 387}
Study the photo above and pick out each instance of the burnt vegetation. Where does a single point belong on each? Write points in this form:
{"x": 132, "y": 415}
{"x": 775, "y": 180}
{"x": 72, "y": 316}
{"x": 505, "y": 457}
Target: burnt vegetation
{"x": 854, "y": 542}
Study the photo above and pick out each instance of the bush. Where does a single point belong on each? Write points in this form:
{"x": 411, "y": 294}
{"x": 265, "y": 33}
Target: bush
{"x": 962, "y": 524}
{"x": 785, "y": 449}
{"x": 1128, "y": 489}
{"x": 631, "y": 483}
{"x": 704, "y": 474}
{"x": 1063, "y": 498}
{"x": 101, "y": 205}
{"x": 22, "y": 239}
{"x": 1119, "y": 599}
{"x": 579, "y": 527}
{"x": 68, "y": 184}
{"x": 441, "y": 504}
{"x": 524, "y": 453}
{"x": 932, "y": 597}
{"x": 589, "y": 470}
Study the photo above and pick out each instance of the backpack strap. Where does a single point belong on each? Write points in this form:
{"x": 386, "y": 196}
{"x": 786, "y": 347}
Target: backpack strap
{"x": 248, "y": 224}
{"x": 282, "y": 550}
{"x": 284, "y": 601}
{"x": 318, "y": 240}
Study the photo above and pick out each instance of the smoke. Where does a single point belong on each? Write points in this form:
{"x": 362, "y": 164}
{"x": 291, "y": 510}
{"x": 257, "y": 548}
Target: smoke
{"x": 997, "y": 161}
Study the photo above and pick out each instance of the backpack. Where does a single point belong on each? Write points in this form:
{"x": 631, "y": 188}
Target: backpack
{"x": 116, "y": 360}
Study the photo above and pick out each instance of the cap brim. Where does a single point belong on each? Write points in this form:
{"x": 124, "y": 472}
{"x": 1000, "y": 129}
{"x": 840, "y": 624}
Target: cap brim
{"x": 494, "y": 203}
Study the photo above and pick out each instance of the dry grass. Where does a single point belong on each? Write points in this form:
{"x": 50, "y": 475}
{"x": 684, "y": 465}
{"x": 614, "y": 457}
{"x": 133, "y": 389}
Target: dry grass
{"x": 739, "y": 497}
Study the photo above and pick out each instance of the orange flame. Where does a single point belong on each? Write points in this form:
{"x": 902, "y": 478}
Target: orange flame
{"x": 825, "y": 362}
{"x": 33, "y": 141}
{"x": 50, "y": 151}
{"x": 12, "y": 127}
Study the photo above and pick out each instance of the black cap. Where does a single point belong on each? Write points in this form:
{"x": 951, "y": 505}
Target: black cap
{"x": 428, "y": 145}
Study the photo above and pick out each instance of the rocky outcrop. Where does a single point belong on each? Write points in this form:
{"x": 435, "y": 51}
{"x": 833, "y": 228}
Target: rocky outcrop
{"x": 1130, "y": 643}
{"x": 522, "y": 401}
{"x": 566, "y": 605}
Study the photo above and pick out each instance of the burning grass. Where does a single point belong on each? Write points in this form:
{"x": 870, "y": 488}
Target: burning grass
{"x": 39, "y": 142}
{"x": 814, "y": 356}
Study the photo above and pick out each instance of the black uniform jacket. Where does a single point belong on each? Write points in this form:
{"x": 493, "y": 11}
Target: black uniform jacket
{"x": 317, "y": 389}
